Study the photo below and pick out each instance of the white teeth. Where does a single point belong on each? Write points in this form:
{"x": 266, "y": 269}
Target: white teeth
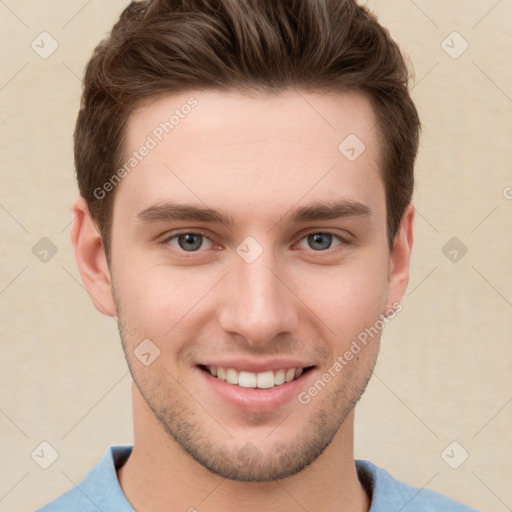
{"x": 290, "y": 374}
{"x": 279, "y": 377}
{"x": 265, "y": 380}
{"x": 262, "y": 380}
{"x": 247, "y": 380}
{"x": 231, "y": 376}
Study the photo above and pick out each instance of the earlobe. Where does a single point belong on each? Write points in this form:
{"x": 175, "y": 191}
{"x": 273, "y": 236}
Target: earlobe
{"x": 91, "y": 259}
{"x": 400, "y": 257}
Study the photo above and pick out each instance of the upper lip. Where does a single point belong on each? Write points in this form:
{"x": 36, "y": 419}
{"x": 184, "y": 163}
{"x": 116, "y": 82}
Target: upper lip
{"x": 258, "y": 366}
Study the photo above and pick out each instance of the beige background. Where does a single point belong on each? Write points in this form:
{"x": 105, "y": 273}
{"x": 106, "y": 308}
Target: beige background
{"x": 444, "y": 373}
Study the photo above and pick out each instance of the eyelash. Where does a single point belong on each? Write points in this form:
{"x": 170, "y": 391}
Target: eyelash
{"x": 336, "y": 236}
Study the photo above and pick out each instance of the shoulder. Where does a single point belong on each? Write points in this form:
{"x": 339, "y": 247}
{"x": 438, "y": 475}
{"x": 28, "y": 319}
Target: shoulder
{"x": 70, "y": 500}
{"x": 389, "y": 492}
{"x": 99, "y": 491}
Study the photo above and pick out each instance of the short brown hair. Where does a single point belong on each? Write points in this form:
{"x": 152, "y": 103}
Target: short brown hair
{"x": 168, "y": 46}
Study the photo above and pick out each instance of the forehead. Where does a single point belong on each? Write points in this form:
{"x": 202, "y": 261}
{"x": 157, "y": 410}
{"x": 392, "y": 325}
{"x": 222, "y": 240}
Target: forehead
{"x": 230, "y": 117}
{"x": 230, "y": 148}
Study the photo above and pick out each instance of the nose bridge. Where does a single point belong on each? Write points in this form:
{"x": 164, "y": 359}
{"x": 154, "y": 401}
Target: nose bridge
{"x": 259, "y": 306}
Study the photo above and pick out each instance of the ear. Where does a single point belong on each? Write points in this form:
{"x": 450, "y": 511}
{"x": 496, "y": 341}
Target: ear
{"x": 400, "y": 258}
{"x": 91, "y": 259}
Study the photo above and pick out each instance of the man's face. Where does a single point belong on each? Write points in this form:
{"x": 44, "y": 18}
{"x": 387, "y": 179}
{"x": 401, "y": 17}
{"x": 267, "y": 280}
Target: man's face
{"x": 283, "y": 287}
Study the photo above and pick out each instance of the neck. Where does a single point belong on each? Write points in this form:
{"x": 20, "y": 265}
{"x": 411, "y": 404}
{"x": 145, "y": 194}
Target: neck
{"x": 159, "y": 475}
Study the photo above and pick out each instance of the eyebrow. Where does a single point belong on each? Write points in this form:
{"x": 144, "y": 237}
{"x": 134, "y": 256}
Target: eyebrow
{"x": 165, "y": 212}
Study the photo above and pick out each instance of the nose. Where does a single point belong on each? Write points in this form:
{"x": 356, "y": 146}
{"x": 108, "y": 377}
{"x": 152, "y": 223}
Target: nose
{"x": 259, "y": 304}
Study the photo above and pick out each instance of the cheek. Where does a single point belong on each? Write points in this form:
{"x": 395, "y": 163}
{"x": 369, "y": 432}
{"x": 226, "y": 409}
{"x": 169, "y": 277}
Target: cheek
{"x": 161, "y": 301}
{"x": 350, "y": 296}
{"x": 158, "y": 301}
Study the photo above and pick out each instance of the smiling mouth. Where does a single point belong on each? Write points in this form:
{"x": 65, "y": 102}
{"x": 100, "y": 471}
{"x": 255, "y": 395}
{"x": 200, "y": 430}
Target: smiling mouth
{"x": 262, "y": 380}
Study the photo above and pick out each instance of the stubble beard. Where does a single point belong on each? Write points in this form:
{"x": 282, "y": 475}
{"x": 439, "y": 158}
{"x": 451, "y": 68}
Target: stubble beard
{"x": 179, "y": 415}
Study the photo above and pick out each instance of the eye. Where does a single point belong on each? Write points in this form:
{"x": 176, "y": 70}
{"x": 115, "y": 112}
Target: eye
{"x": 321, "y": 241}
{"x": 189, "y": 242}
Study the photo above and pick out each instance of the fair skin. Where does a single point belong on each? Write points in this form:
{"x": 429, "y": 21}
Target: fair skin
{"x": 200, "y": 442}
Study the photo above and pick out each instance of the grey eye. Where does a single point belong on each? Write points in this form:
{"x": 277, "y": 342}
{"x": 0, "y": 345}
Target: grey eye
{"x": 190, "y": 242}
{"x": 320, "y": 241}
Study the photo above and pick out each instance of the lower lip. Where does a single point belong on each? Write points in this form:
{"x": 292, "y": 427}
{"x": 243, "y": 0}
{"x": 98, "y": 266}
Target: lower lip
{"x": 255, "y": 399}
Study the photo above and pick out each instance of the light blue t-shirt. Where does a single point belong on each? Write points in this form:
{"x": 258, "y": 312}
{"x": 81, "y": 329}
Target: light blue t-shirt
{"x": 100, "y": 491}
